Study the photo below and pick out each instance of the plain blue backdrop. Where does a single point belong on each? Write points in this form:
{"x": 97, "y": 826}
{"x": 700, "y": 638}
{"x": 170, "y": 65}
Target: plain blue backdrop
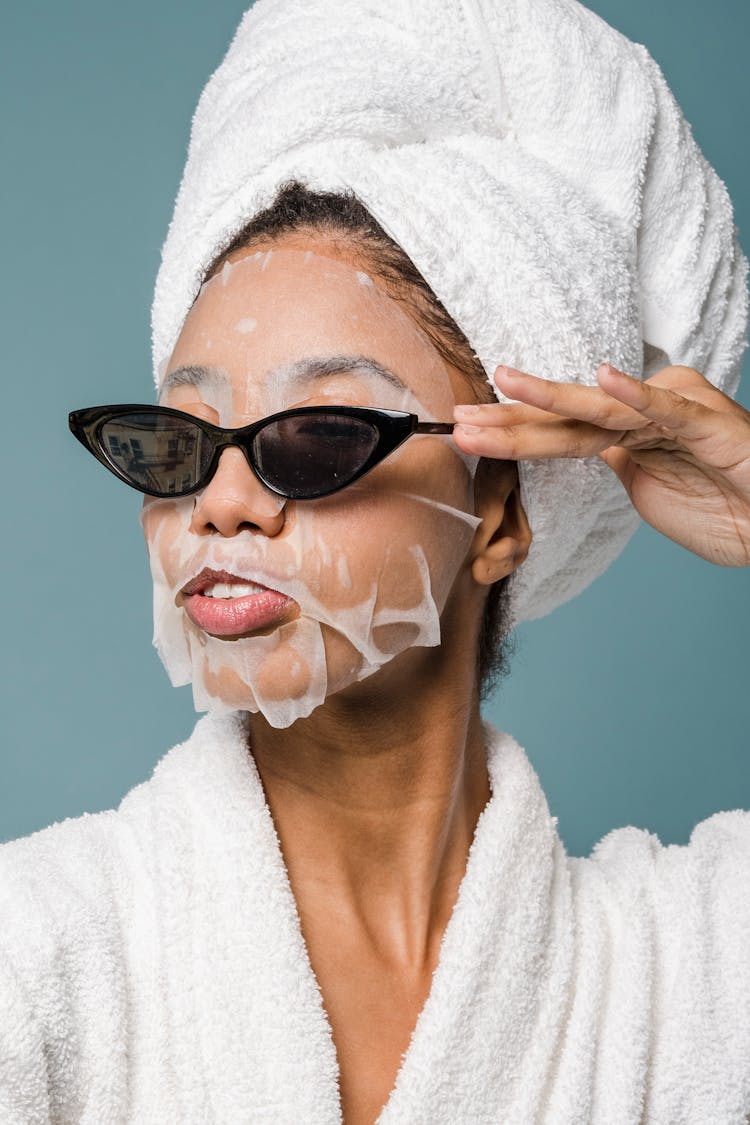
{"x": 632, "y": 701}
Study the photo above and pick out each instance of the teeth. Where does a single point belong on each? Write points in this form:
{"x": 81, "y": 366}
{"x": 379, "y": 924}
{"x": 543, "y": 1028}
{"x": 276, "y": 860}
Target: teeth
{"x": 233, "y": 590}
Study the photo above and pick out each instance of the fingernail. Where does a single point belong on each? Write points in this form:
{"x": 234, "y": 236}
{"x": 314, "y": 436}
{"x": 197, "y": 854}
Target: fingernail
{"x": 507, "y": 372}
{"x": 607, "y": 367}
{"x": 468, "y": 429}
{"x": 464, "y": 409}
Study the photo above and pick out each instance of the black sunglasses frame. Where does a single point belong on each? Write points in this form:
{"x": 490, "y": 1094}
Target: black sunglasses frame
{"x": 393, "y": 427}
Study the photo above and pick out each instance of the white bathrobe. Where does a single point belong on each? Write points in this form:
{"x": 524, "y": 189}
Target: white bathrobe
{"x": 153, "y": 969}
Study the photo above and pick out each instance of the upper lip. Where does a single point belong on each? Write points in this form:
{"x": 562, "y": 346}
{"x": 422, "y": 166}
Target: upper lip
{"x": 208, "y": 577}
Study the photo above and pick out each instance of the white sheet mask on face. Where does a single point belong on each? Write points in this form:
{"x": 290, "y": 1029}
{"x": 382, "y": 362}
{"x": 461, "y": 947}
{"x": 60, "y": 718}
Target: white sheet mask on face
{"x": 370, "y": 568}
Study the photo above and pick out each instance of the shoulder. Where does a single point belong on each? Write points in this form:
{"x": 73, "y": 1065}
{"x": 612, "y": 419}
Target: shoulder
{"x": 708, "y": 872}
{"x": 697, "y": 894}
{"x": 58, "y": 961}
{"x": 53, "y": 880}
{"x": 677, "y": 925}
{"x": 80, "y": 876}
{"x": 78, "y": 901}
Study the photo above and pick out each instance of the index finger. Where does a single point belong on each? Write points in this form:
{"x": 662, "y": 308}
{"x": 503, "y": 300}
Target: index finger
{"x": 570, "y": 400}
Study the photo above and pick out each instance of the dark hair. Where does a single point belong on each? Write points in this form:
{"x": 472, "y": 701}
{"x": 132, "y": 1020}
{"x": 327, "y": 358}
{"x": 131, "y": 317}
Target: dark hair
{"x": 343, "y": 219}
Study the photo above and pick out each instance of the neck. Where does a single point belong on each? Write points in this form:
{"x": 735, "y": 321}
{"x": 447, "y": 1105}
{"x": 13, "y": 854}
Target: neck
{"x": 376, "y": 797}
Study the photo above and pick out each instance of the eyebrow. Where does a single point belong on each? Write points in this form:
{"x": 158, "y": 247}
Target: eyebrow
{"x": 301, "y": 370}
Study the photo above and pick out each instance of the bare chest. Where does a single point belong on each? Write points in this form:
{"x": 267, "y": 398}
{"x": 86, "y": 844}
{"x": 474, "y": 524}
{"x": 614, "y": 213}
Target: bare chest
{"x": 372, "y": 1014}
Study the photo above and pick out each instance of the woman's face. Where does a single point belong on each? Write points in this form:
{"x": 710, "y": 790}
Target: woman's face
{"x": 271, "y": 605}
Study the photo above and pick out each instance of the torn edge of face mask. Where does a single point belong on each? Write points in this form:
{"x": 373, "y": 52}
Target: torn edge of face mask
{"x": 346, "y": 627}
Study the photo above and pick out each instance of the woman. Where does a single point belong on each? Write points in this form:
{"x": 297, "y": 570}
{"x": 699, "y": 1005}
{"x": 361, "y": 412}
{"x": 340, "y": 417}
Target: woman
{"x": 343, "y": 898}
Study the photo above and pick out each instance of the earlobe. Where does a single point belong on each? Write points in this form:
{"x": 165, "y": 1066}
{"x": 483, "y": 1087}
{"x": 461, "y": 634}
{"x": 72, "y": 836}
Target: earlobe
{"x": 499, "y": 559}
{"x": 504, "y": 537}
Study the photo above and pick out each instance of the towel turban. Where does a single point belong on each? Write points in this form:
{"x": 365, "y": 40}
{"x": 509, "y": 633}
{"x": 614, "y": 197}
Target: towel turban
{"x": 533, "y": 164}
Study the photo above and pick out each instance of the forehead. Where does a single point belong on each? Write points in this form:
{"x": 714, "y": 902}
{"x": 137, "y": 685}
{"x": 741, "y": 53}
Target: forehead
{"x": 275, "y": 320}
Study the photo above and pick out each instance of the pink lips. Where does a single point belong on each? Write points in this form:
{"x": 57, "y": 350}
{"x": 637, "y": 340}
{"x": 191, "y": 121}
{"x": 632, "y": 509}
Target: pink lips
{"x": 231, "y": 617}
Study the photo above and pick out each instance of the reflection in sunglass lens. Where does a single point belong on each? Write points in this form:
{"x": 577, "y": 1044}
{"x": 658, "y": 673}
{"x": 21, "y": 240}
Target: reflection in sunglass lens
{"x": 311, "y": 454}
{"x": 156, "y": 451}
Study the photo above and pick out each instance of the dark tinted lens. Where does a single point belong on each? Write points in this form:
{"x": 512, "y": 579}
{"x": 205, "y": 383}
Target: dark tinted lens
{"x": 308, "y": 455}
{"x": 164, "y": 454}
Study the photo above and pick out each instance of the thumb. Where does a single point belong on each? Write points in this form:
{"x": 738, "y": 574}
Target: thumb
{"x": 620, "y": 462}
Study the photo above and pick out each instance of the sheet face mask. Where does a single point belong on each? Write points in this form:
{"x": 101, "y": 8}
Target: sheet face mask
{"x": 370, "y": 568}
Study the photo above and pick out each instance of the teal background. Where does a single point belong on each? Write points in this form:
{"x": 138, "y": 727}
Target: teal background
{"x": 632, "y": 700}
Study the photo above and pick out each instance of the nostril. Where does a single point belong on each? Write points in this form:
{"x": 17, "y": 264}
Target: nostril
{"x": 230, "y": 525}
{"x": 244, "y": 525}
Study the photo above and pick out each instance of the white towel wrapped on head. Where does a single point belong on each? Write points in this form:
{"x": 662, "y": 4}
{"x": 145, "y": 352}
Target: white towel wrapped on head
{"x": 533, "y": 164}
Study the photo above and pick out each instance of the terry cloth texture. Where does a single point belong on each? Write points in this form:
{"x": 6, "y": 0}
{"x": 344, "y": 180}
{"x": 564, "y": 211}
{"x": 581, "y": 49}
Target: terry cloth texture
{"x": 153, "y": 967}
{"x": 533, "y": 164}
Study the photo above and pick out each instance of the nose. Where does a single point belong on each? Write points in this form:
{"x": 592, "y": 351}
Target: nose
{"x": 234, "y": 500}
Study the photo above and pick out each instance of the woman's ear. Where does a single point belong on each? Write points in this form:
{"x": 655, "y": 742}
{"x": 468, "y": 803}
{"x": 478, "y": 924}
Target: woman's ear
{"x": 503, "y": 538}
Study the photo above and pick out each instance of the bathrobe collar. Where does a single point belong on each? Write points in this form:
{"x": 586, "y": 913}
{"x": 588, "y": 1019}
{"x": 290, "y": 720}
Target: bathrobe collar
{"x": 245, "y": 1004}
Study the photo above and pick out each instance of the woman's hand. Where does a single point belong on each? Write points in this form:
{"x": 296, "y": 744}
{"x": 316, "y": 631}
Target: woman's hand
{"x": 680, "y": 447}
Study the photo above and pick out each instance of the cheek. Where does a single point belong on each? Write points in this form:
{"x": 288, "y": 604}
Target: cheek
{"x": 384, "y": 542}
{"x": 164, "y": 525}
{"x": 430, "y": 468}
